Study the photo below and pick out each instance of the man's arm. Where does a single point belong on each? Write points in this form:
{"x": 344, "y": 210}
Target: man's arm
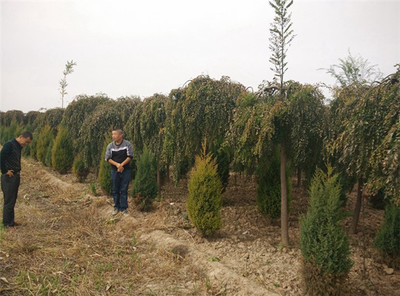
{"x": 129, "y": 154}
{"x": 126, "y": 161}
{"x": 5, "y": 153}
{"x": 113, "y": 162}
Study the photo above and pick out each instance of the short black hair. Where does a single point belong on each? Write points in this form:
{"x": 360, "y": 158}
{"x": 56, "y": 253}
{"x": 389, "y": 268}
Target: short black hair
{"x": 27, "y": 135}
{"x": 118, "y": 130}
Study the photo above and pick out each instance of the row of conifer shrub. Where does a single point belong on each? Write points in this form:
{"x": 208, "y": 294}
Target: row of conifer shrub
{"x": 81, "y": 130}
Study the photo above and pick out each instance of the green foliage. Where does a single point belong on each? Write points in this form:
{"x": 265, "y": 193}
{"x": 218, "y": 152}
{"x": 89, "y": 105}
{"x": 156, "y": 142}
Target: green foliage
{"x": 205, "y": 199}
{"x": 43, "y": 143}
{"x": 356, "y": 141}
{"x": 145, "y": 186}
{"x": 174, "y": 134}
{"x": 387, "y": 240}
{"x": 364, "y": 134}
{"x": 203, "y": 109}
{"x": 11, "y": 131}
{"x": 53, "y": 117}
{"x": 269, "y": 186}
{"x": 354, "y": 71}
{"x": 104, "y": 177}
{"x": 281, "y": 37}
{"x": 3, "y": 129}
{"x": 10, "y": 116}
{"x": 32, "y": 147}
{"x": 30, "y": 118}
{"x": 307, "y": 114}
{"x": 127, "y": 105}
{"x": 385, "y": 124}
{"x": 145, "y": 126}
{"x": 47, "y": 160}
{"x": 223, "y": 160}
{"x": 324, "y": 245}
{"x": 62, "y": 153}
{"x": 79, "y": 168}
{"x": 78, "y": 110}
{"x": 63, "y": 82}
{"x": 94, "y": 130}
{"x": 244, "y": 133}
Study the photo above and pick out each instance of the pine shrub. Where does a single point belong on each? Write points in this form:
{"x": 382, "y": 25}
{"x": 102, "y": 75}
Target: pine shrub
{"x": 205, "y": 195}
{"x": 104, "y": 177}
{"x": 269, "y": 186}
{"x": 62, "y": 155}
{"x": 324, "y": 245}
{"x": 3, "y": 131}
{"x": 47, "y": 161}
{"x": 44, "y": 140}
{"x": 79, "y": 168}
{"x": 223, "y": 162}
{"x": 145, "y": 187}
{"x": 32, "y": 147}
{"x": 387, "y": 240}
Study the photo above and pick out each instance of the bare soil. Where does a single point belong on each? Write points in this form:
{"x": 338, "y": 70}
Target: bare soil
{"x": 70, "y": 244}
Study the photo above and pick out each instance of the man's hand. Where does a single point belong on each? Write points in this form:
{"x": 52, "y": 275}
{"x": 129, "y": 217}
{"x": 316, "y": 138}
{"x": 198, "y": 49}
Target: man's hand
{"x": 120, "y": 169}
{"x": 10, "y": 173}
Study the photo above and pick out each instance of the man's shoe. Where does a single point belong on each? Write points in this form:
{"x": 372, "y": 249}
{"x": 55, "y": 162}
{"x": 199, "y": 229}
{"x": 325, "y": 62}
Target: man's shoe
{"x": 115, "y": 211}
{"x": 15, "y": 224}
{"x": 125, "y": 212}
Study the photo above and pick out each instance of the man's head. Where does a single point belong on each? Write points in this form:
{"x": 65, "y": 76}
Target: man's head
{"x": 25, "y": 139}
{"x": 117, "y": 135}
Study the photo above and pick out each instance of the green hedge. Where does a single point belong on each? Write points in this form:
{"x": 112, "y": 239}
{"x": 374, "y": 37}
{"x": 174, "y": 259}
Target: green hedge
{"x": 145, "y": 187}
{"x": 205, "y": 198}
{"x": 324, "y": 245}
{"x": 62, "y": 153}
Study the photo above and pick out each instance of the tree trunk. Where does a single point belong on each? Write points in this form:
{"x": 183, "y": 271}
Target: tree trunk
{"x": 284, "y": 199}
{"x": 357, "y": 208}
{"x": 298, "y": 177}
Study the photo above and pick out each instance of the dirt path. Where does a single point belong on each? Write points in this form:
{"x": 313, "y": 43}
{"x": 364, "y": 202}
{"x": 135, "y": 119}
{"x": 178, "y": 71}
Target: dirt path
{"x": 70, "y": 244}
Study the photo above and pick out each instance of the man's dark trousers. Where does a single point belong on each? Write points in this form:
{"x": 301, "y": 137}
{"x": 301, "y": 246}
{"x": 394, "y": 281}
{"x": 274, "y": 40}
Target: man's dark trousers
{"x": 120, "y": 182}
{"x": 9, "y": 186}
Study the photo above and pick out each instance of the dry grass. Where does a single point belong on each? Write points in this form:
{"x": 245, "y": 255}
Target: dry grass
{"x": 69, "y": 244}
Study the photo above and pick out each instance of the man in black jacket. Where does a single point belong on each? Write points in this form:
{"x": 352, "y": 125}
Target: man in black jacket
{"x": 10, "y": 159}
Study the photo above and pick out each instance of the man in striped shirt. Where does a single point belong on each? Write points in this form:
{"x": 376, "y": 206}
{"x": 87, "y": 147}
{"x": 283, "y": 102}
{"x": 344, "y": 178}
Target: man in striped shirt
{"x": 10, "y": 159}
{"x": 119, "y": 154}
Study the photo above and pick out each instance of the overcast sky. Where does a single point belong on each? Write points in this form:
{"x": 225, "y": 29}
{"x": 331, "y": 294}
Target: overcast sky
{"x": 125, "y": 48}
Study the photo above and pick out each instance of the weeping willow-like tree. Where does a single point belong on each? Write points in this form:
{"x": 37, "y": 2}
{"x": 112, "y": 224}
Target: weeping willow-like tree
{"x": 203, "y": 109}
{"x": 262, "y": 121}
{"x": 281, "y": 38}
{"x": 146, "y": 127}
{"x": 95, "y": 129}
{"x": 356, "y": 120}
{"x": 385, "y": 160}
{"x": 77, "y": 112}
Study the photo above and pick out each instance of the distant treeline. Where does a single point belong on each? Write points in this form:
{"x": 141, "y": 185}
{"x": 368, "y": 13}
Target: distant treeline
{"x": 358, "y": 132}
